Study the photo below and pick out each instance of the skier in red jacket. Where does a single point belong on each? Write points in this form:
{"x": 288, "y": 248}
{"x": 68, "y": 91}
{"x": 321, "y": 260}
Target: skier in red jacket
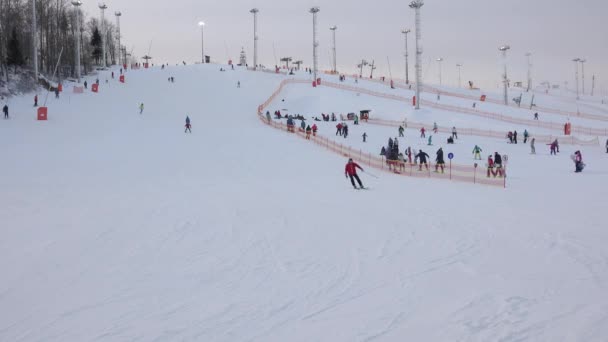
{"x": 351, "y": 171}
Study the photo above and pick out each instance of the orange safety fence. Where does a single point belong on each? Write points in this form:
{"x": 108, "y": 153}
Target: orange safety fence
{"x": 567, "y": 139}
{"x": 480, "y": 113}
{"x": 452, "y": 171}
{"x": 433, "y": 90}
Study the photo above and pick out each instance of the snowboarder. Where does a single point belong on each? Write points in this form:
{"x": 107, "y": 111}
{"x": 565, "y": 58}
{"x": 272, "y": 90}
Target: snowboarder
{"x": 578, "y": 161}
{"x": 440, "y": 163}
{"x": 188, "y": 126}
{"x": 365, "y": 138}
{"x": 141, "y": 108}
{"x": 308, "y": 131}
{"x": 421, "y": 156}
{"x": 532, "y": 148}
{"x": 351, "y": 171}
{"x": 36, "y": 100}
{"x": 515, "y": 137}
{"x": 435, "y": 128}
{"x": 401, "y": 129}
{"x": 477, "y": 152}
{"x": 422, "y": 130}
{"x": 5, "y": 111}
{"x": 526, "y": 135}
{"x": 454, "y": 134}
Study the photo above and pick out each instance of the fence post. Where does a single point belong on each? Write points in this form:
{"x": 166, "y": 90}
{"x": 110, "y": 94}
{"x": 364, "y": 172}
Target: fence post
{"x": 450, "y": 169}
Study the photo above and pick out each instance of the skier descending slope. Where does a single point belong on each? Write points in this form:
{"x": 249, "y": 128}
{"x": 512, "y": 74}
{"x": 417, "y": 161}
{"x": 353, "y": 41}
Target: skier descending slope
{"x": 351, "y": 171}
{"x": 188, "y": 126}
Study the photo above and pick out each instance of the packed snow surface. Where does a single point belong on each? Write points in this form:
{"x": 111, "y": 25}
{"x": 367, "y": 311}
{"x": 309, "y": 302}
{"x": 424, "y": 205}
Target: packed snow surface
{"x": 118, "y": 226}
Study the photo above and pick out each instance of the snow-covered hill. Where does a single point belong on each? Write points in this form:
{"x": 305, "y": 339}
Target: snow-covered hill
{"x": 118, "y": 226}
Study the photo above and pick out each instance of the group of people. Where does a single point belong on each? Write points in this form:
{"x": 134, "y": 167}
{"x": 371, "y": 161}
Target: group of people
{"x": 342, "y": 129}
{"x": 495, "y": 166}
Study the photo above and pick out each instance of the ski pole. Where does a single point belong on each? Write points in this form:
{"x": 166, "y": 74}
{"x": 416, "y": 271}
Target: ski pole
{"x": 367, "y": 173}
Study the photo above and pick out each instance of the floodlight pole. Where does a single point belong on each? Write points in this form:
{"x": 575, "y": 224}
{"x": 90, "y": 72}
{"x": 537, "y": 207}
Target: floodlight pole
{"x": 440, "y": 59}
{"x": 333, "y": 30}
{"x": 255, "y": 11}
{"x": 416, "y": 4}
{"x": 118, "y": 14}
{"x": 315, "y": 44}
{"x": 103, "y": 7}
{"x": 504, "y": 49}
{"x": 407, "y": 76}
{"x": 583, "y": 73}
{"x": 77, "y": 4}
{"x": 529, "y": 55}
{"x": 202, "y": 25}
{"x": 576, "y": 60}
{"x": 35, "y": 41}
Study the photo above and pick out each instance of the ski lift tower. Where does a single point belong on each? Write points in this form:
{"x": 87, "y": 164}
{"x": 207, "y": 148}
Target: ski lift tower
{"x": 255, "y": 11}
{"x": 102, "y": 8}
{"x": 315, "y": 43}
{"x": 504, "y": 49}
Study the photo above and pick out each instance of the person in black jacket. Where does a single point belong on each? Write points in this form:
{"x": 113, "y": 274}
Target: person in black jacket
{"x": 515, "y": 137}
{"x": 498, "y": 164}
{"x": 422, "y": 158}
{"x": 440, "y": 163}
{"x": 5, "y": 111}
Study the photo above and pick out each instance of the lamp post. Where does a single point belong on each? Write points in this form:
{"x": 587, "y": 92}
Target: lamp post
{"x": 416, "y": 5}
{"x": 583, "y": 73}
{"x": 529, "y": 55}
{"x": 315, "y": 44}
{"x": 34, "y": 42}
{"x": 118, "y": 14}
{"x": 459, "y": 66}
{"x": 576, "y": 60}
{"x": 407, "y": 76}
{"x": 77, "y": 4}
{"x": 202, "y": 25}
{"x": 103, "y": 7}
{"x": 440, "y": 59}
{"x": 333, "y": 30}
{"x": 504, "y": 49}
{"x": 255, "y": 11}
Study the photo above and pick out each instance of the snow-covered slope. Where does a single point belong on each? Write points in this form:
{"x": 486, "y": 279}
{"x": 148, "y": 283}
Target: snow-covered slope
{"x": 118, "y": 226}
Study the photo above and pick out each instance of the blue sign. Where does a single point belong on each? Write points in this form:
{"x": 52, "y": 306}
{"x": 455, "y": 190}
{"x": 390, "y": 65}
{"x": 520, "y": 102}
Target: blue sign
{"x": 450, "y": 155}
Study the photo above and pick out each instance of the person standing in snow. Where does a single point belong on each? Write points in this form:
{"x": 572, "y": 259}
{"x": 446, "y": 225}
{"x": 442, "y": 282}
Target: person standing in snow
{"x": 302, "y": 126}
{"x": 578, "y": 161}
{"x": 535, "y": 116}
{"x": 5, "y": 111}
{"x": 498, "y": 164}
{"x": 532, "y": 148}
{"x": 351, "y": 171}
{"x": 454, "y": 134}
{"x": 141, "y": 108}
{"x": 308, "y": 131}
{"x": 338, "y": 128}
{"x": 606, "y": 145}
{"x": 36, "y": 100}
{"x": 515, "y": 137}
{"x": 553, "y": 147}
{"x": 422, "y": 156}
{"x": 238, "y": 84}
{"x": 422, "y": 130}
{"x": 85, "y": 84}
{"x": 526, "y": 135}
{"x": 477, "y": 152}
{"x": 440, "y": 163}
{"x": 430, "y": 143}
{"x": 435, "y": 128}
{"x": 314, "y": 130}
{"x": 56, "y": 93}
{"x": 345, "y": 131}
{"x": 401, "y": 129}
{"x": 268, "y": 116}
{"x": 188, "y": 126}
{"x": 490, "y": 167}
{"x": 365, "y": 138}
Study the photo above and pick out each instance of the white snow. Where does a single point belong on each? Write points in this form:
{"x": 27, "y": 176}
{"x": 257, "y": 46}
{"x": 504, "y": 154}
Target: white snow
{"x": 117, "y": 226}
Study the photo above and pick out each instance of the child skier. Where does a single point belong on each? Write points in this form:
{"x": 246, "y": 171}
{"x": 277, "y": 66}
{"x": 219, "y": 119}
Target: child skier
{"x": 351, "y": 171}
{"x": 308, "y": 131}
{"x": 477, "y": 152}
{"x": 314, "y": 130}
{"x": 578, "y": 161}
{"x": 188, "y": 126}
{"x": 365, "y": 137}
{"x": 490, "y": 167}
{"x": 422, "y": 130}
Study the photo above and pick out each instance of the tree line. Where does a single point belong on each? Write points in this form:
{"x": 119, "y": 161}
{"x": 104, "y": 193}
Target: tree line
{"x": 56, "y": 33}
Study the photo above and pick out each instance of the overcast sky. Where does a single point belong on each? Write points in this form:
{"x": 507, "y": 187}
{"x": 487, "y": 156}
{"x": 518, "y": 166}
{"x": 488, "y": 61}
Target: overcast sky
{"x": 466, "y": 31}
